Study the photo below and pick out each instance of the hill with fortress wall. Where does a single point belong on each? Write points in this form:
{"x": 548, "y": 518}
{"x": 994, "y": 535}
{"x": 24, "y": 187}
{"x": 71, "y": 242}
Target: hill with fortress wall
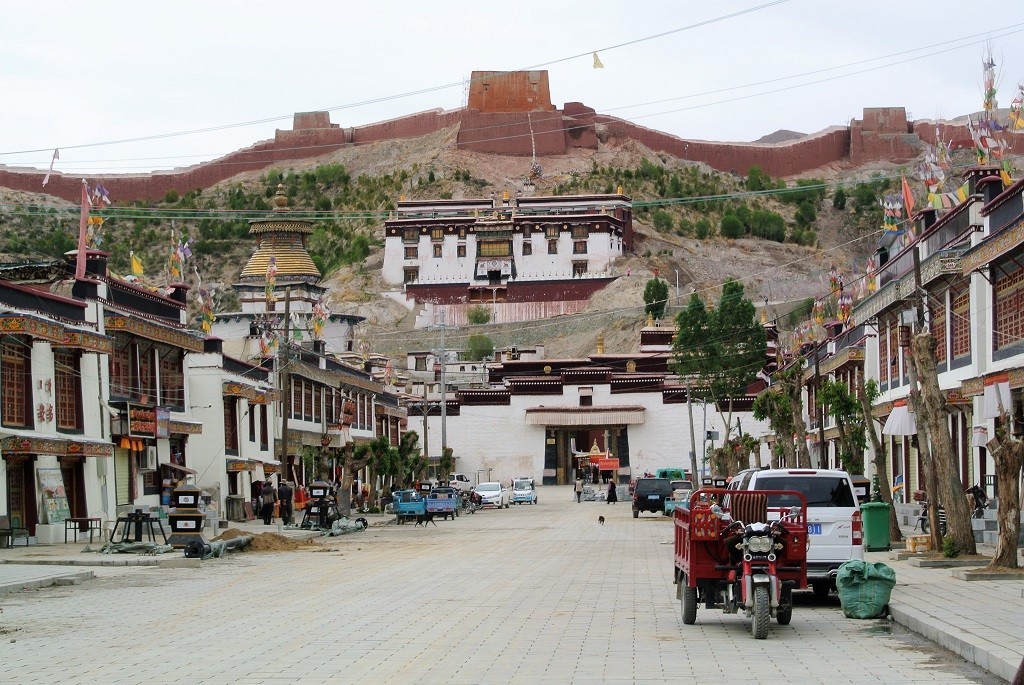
{"x": 510, "y": 113}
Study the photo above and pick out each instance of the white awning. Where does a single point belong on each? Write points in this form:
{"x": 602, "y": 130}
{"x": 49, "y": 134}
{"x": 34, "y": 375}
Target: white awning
{"x": 585, "y": 416}
{"x": 900, "y": 422}
{"x": 997, "y": 394}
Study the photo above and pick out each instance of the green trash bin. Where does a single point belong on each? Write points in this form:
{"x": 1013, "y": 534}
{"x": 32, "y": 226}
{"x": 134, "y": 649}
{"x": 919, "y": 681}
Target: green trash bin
{"x": 875, "y": 516}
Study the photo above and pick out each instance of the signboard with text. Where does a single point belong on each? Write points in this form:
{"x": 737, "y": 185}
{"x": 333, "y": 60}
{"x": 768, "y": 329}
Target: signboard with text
{"x": 141, "y": 421}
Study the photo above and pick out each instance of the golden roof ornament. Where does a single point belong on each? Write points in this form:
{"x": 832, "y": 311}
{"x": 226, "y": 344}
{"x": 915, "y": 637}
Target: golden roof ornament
{"x": 600, "y": 343}
{"x": 280, "y": 199}
{"x": 650, "y": 319}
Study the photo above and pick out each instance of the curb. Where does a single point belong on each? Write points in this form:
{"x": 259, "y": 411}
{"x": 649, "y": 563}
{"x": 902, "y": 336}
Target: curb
{"x": 73, "y": 578}
{"x": 990, "y": 657}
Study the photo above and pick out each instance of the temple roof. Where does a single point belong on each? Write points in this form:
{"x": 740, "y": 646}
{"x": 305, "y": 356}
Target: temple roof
{"x": 283, "y": 239}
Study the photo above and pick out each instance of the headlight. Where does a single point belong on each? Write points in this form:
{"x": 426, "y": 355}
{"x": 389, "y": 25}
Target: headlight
{"x": 759, "y": 544}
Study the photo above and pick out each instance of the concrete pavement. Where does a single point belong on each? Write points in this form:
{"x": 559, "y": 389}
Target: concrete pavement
{"x": 530, "y": 594}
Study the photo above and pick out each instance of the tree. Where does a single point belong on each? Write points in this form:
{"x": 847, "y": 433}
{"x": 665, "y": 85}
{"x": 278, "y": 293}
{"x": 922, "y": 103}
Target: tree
{"x": 839, "y": 199}
{"x": 868, "y": 393}
{"x": 773, "y": 405}
{"x": 836, "y": 399}
{"x": 958, "y": 514}
{"x": 720, "y": 352}
{"x": 655, "y": 297}
{"x": 479, "y": 347}
{"x": 478, "y": 314}
{"x": 446, "y": 464}
{"x": 1008, "y": 454}
{"x": 352, "y": 459}
{"x": 757, "y": 179}
{"x": 731, "y": 227}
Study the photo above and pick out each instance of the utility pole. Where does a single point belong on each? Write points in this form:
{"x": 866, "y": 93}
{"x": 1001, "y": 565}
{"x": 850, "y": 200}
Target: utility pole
{"x": 693, "y": 438}
{"x": 283, "y": 379}
{"x": 444, "y": 387}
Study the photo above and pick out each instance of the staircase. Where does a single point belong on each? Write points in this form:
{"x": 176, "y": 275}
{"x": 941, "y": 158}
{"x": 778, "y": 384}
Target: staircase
{"x": 985, "y": 528}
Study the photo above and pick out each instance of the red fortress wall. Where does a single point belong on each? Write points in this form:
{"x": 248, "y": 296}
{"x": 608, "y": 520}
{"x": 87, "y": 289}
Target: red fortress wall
{"x": 511, "y": 113}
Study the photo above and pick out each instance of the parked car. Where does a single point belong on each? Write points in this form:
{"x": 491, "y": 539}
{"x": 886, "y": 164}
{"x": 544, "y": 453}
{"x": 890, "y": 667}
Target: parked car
{"x": 681, "y": 491}
{"x": 460, "y": 482}
{"x": 524, "y": 491}
{"x": 834, "y": 526}
{"x": 649, "y": 494}
{"x": 492, "y": 494}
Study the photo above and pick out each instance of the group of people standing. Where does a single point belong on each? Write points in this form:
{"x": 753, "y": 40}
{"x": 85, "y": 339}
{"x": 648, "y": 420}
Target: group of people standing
{"x": 613, "y": 495}
{"x": 283, "y": 497}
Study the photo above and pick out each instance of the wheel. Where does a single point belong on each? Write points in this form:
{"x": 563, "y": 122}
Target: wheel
{"x": 759, "y": 621}
{"x": 689, "y": 603}
{"x": 926, "y": 525}
{"x": 821, "y": 590}
{"x": 785, "y": 615}
{"x": 636, "y": 514}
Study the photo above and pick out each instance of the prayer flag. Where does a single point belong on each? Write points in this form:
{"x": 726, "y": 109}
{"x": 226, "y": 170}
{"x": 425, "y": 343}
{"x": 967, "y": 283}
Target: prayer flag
{"x": 961, "y": 193}
{"x": 908, "y": 199}
{"x": 137, "y": 269}
{"x": 56, "y": 156}
{"x": 597, "y": 62}
{"x": 82, "y": 231}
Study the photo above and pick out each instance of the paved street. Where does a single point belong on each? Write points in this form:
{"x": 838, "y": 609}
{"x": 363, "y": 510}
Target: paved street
{"x": 532, "y": 594}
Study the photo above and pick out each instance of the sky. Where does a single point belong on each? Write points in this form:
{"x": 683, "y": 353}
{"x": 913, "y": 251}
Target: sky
{"x": 77, "y": 74}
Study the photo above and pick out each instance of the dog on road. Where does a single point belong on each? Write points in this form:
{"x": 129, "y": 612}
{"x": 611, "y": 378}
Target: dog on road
{"x": 600, "y": 519}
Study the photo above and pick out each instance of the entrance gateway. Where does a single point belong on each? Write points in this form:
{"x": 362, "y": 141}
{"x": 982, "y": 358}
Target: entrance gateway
{"x": 582, "y": 426}
{"x": 562, "y": 465}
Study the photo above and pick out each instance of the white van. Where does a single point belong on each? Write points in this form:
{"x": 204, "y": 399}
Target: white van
{"x": 834, "y": 526}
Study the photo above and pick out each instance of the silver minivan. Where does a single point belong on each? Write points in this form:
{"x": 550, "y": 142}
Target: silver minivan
{"x": 834, "y": 527}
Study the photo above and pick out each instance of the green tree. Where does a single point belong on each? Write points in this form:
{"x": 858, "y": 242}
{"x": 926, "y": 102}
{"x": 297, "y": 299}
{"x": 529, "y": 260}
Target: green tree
{"x": 478, "y": 314}
{"x": 655, "y": 298}
{"x": 836, "y": 400}
{"x": 839, "y": 199}
{"x": 774, "y": 405}
{"x": 703, "y": 228}
{"x": 731, "y": 227}
{"x": 479, "y": 347}
{"x": 757, "y": 179}
{"x": 806, "y": 214}
{"x": 720, "y": 352}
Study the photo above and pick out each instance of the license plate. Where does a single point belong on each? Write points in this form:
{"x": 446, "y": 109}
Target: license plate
{"x": 652, "y": 497}
{"x": 814, "y": 529}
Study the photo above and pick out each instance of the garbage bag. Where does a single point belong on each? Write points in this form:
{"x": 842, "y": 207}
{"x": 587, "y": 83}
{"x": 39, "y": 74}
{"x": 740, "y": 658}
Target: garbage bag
{"x": 864, "y": 588}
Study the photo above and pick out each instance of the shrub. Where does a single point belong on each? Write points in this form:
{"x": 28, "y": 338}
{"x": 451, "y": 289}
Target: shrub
{"x": 479, "y": 347}
{"x": 732, "y": 227}
{"x": 478, "y": 314}
{"x": 662, "y": 220}
{"x": 839, "y": 199}
{"x": 757, "y": 179}
{"x": 806, "y": 214}
{"x": 949, "y": 547}
{"x": 171, "y": 197}
{"x": 703, "y": 228}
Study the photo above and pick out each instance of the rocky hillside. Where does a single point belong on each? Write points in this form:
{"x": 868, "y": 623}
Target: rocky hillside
{"x": 677, "y": 237}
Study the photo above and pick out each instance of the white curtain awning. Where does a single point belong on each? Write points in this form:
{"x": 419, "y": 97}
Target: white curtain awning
{"x": 996, "y": 394}
{"x": 585, "y": 416}
{"x": 900, "y": 422}
{"x": 980, "y": 436}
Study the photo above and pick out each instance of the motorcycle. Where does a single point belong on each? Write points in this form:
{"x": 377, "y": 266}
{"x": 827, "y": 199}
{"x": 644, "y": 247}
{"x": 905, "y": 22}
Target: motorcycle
{"x": 980, "y": 500}
{"x": 925, "y": 524}
{"x": 754, "y": 584}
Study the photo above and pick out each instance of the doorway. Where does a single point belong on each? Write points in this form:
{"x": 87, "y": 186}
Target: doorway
{"x": 21, "y": 494}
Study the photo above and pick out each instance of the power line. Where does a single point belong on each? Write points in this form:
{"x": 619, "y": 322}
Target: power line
{"x": 387, "y": 98}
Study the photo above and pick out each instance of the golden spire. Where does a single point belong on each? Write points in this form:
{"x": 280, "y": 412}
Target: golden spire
{"x": 600, "y": 343}
{"x": 650, "y": 320}
{"x": 280, "y": 199}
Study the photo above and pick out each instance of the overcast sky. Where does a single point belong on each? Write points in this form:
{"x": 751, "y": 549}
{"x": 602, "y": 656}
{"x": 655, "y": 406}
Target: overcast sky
{"x": 74, "y": 73}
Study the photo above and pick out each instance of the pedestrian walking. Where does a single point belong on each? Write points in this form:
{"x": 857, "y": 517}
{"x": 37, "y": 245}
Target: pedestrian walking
{"x": 613, "y": 496}
{"x": 267, "y": 498}
{"x": 579, "y": 489}
{"x": 285, "y": 495}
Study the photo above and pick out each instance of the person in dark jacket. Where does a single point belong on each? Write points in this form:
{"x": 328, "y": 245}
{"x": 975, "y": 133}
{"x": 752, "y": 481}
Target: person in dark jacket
{"x": 613, "y": 495}
{"x": 267, "y": 499}
{"x": 285, "y": 496}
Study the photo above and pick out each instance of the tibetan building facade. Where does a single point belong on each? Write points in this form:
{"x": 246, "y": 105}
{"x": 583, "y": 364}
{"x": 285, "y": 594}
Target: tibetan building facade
{"x": 526, "y": 257}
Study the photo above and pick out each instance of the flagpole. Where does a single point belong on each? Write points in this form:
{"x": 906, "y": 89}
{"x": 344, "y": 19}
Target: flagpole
{"x": 82, "y": 229}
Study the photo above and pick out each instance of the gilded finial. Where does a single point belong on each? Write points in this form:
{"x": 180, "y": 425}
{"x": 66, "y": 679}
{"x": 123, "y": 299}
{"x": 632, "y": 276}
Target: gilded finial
{"x": 600, "y": 343}
{"x": 280, "y": 199}
{"x": 650, "y": 319}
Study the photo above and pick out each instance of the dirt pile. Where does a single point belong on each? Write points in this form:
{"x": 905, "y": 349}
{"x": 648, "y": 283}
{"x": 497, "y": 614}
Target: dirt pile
{"x": 266, "y": 542}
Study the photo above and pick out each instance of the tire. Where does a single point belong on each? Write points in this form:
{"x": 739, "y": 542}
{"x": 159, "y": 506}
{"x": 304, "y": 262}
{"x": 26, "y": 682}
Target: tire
{"x": 636, "y": 514}
{"x": 821, "y": 590}
{"x": 689, "y": 603}
{"x": 784, "y": 616}
{"x": 759, "y": 621}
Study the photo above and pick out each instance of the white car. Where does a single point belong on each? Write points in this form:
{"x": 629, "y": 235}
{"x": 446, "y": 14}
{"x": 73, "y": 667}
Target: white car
{"x": 460, "y": 482}
{"x": 834, "y": 526}
{"x": 524, "y": 491}
{"x": 493, "y": 494}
